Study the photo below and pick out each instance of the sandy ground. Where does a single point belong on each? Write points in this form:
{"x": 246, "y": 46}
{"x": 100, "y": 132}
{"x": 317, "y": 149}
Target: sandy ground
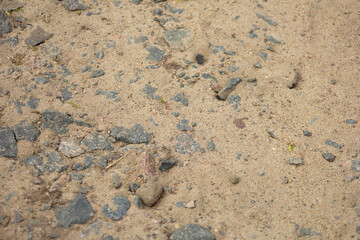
{"x": 309, "y": 81}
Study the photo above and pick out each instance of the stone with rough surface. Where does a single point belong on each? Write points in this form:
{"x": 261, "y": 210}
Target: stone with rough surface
{"x": 135, "y": 135}
{"x": 5, "y": 26}
{"x": 73, "y": 5}
{"x": 178, "y": 39}
{"x": 26, "y": 131}
{"x": 122, "y": 204}
{"x": 37, "y": 37}
{"x": 192, "y": 232}
{"x": 8, "y": 147}
{"x": 96, "y": 141}
{"x": 70, "y": 148}
{"x": 186, "y": 144}
{"x": 149, "y": 193}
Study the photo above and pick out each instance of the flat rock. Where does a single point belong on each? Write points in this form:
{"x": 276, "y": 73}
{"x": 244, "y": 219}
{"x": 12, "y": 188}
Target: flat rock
{"x": 181, "y": 97}
{"x": 14, "y": 41}
{"x": 33, "y": 102}
{"x": 59, "y": 122}
{"x": 328, "y": 157}
{"x": 8, "y": 146}
{"x": 73, "y": 5}
{"x": 96, "y": 141}
{"x": 37, "y": 37}
{"x": 26, "y": 131}
{"x": 95, "y": 159}
{"x": 79, "y": 211}
{"x": 149, "y": 193}
{"x": 155, "y": 54}
{"x": 183, "y": 125}
{"x": 70, "y": 148}
{"x": 295, "y": 161}
{"x": 149, "y": 91}
{"x": 178, "y": 39}
{"x": 5, "y": 26}
{"x": 355, "y": 165}
{"x": 186, "y": 144}
{"x": 166, "y": 164}
{"x": 224, "y": 93}
{"x": 97, "y": 73}
{"x": 211, "y": 145}
{"x": 135, "y": 135}
{"x": 193, "y": 232}
{"x": 122, "y": 204}
{"x": 47, "y": 162}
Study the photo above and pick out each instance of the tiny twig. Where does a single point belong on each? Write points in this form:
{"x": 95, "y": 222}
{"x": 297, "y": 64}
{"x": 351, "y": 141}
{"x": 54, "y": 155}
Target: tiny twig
{"x": 113, "y": 163}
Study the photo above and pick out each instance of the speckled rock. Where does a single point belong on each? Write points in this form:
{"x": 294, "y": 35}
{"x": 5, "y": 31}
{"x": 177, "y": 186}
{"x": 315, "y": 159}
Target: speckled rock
{"x": 192, "y": 232}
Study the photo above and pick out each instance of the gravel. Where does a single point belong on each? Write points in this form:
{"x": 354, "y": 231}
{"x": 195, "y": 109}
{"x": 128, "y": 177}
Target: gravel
{"x": 211, "y": 145}
{"x": 234, "y": 100}
{"x": 70, "y": 148}
{"x": 96, "y": 141}
{"x": 26, "y": 131}
{"x": 95, "y": 159}
{"x": 350, "y": 121}
{"x": 295, "y": 161}
{"x": 166, "y": 164}
{"x": 33, "y": 102}
{"x": 173, "y": 10}
{"x": 47, "y": 162}
{"x": 181, "y": 98}
{"x": 97, "y": 73}
{"x": 192, "y": 232}
{"x": 155, "y": 54}
{"x": 267, "y": 19}
{"x": 257, "y": 65}
{"x": 5, "y": 26}
{"x": 178, "y": 38}
{"x": 8, "y": 147}
{"x": 41, "y": 80}
{"x": 37, "y": 37}
{"x": 307, "y": 133}
{"x": 122, "y": 205}
{"x": 183, "y": 125}
{"x": 135, "y": 135}
{"x": 224, "y": 93}
{"x": 199, "y": 58}
{"x": 333, "y": 144}
{"x": 73, "y": 5}
{"x": 186, "y": 144}
{"x": 59, "y": 122}
{"x": 116, "y": 180}
{"x": 328, "y": 157}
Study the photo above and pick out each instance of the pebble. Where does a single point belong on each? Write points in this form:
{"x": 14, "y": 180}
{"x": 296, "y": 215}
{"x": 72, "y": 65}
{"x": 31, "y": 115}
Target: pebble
{"x": 77, "y": 176}
{"x": 234, "y": 179}
{"x": 70, "y": 148}
{"x": 286, "y": 180}
{"x": 180, "y": 204}
{"x": 167, "y": 164}
{"x": 99, "y": 54}
{"x": 175, "y": 114}
{"x": 97, "y": 73}
{"x": 79, "y": 211}
{"x": 33, "y": 102}
{"x": 149, "y": 91}
{"x": 66, "y": 94}
{"x": 358, "y": 230}
{"x": 149, "y": 193}
{"x": 190, "y": 205}
{"x": 59, "y": 122}
{"x": 223, "y": 94}
{"x": 307, "y": 133}
{"x": 355, "y": 165}
{"x": 47, "y": 162}
{"x": 134, "y": 187}
{"x": 95, "y": 159}
{"x": 183, "y": 125}
{"x": 350, "y": 121}
{"x": 5, "y": 26}
{"x": 14, "y": 40}
{"x": 41, "y": 80}
{"x": 295, "y": 161}
{"x": 234, "y": 100}
{"x": 208, "y": 76}
{"x": 192, "y": 231}
{"x": 73, "y": 5}
{"x": 122, "y": 204}
{"x": 37, "y": 37}
{"x": 186, "y": 144}
{"x": 18, "y": 106}
{"x": 257, "y": 65}
{"x": 77, "y": 167}
{"x": 199, "y": 59}
{"x": 116, "y": 180}
{"x": 26, "y": 131}
{"x": 135, "y": 135}
{"x": 181, "y": 98}
{"x": 96, "y": 141}
{"x": 328, "y": 157}
{"x": 273, "y": 40}
{"x": 267, "y": 19}
{"x": 350, "y": 178}
{"x": 137, "y": 2}
{"x": 18, "y": 217}
{"x": 178, "y": 38}
{"x": 173, "y": 10}
{"x": 211, "y": 145}
{"x": 333, "y": 144}
{"x": 8, "y": 147}
{"x": 261, "y": 173}
{"x": 62, "y": 181}
{"x": 137, "y": 202}
{"x": 155, "y": 54}
{"x": 263, "y": 55}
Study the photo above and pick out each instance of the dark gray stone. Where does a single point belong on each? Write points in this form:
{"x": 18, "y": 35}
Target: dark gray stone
{"x": 66, "y": 94}
{"x": 173, "y": 10}
{"x": 76, "y": 176}
{"x": 1, "y": 91}
{"x": 253, "y": 35}
{"x": 149, "y": 91}
{"x": 155, "y": 54}
{"x": 186, "y": 144}
{"x": 307, "y": 133}
{"x": 135, "y": 135}
{"x": 96, "y": 141}
{"x": 267, "y": 19}
{"x": 180, "y": 204}
{"x": 77, "y": 167}
{"x": 208, "y": 76}
{"x": 73, "y": 5}
{"x": 18, "y": 217}
{"x": 263, "y": 55}
{"x": 14, "y": 41}
{"x": 18, "y": 105}
{"x": 308, "y": 232}
{"x": 54, "y": 235}
{"x": 65, "y": 71}
{"x": 122, "y": 204}
{"x": 199, "y": 59}
{"x": 97, "y": 73}
{"x": 54, "y": 162}
{"x": 273, "y": 40}
{"x": 181, "y": 98}
{"x": 175, "y": 114}
{"x": 193, "y": 232}
{"x": 59, "y": 122}
{"x": 109, "y": 237}
{"x": 178, "y": 38}
{"x": 217, "y": 49}
{"x": 350, "y": 121}
{"x": 26, "y": 131}
{"x": 295, "y": 161}
{"x": 328, "y": 157}
{"x": 37, "y": 37}
{"x": 183, "y": 125}
{"x": 224, "y": 93}
{"x": 211, "y": 145}
{"x": 166, "y": 164}
{"x": 5, "y": 26}
{"x": 355, "y": 165}
{"x": 79, "y": 211}
{"x": 257, "y": 65}
{"x": 41, "y": 80}
{"x": 8, "y": 146}
{"x": 272, "y": 133}
{"x": 95, "y": 159}
{"x": 134, "y": 186}
{"x": 141, "y": 39}
{"x": 86, "y": 69}
{"x": 333, "y": 144}
{"x": 235, "y": 101}
{"x": 137, "y": 2}
{"x": 137, "y": 202}
{"x": 100, "y": 54}
{"x": 357, "y": 230}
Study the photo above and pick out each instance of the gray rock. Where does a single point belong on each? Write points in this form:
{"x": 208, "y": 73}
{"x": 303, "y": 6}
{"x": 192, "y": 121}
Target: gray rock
{"x": 4, "y": 220}
{"x": 8, "y": 6}
{"x": 79, "y": 211}
{"x": 33, "y": 102}
{"x": 97, "y": 73}
{"x": 211, "y": 145}
{"x": 76, "y": 176}
{"x": 308, "y": 232}
{"x": 137, "y": 202}
{"x": 122, "y": 204}
{"x": 208, "y": 76}
{"x": 307, "y": 133}
{"x": 267, "y": 19}
{"x": 273, "y": 40}
{"x": 8, "y": 146}
{"x": 5, "y": 26}
{"x": 350, "y": 121}
{"x": 59, "y": 122}
{"x": 37, "y": 37}
{"x": 109, "y": 237}
{"x": 70, "y": 148}
{"x": 186, "y": 144}
{"x": 155, "y": 54}
{"x": 134, "y": 187}
{"x": 116, "y": 180}
{"x": 18, "y": 217}
{"x": 173, "y": 10}
{"x": 166, "y": 164}
{"x": 193, "y": 232}
{"x": 224, "y": 93}
{"x": 77, "y": 167}
{"x": 357, "y": 230}
{"x": 14, "y": 41}
{"x": 355, "y": 165}
{"x": 1, "y": 91}
{"x": 175, "y": 114}
{"x": 217, "y": 49}
{"x": 272, "y": 134}
{"x": 181, "y": 98}
{"x": 183, "y": 125}
{"x": 257, "y": 65}
{"x": 18, "y": 105}
{"x": 66, "y": 94}
{"x": 263, "y": 55}
{"x": 26, "y": 131}
{"x": 54, "y": 162}
{"x": 11, "y": 195}
{"x": 149, "y": 91}
{"x": 95, "y": 159}
{"x": 96, "y": 141}
{"x": 73, "y": 5}
{"x": 86, "y": 69}
{"x": 295, "y": 161}
{"x": 100, "y": 54}
{"x": 235, "y": 101}
{"x": 41, "y": 80}
{"x": 135, "y": 135}
{"x": 180, "y": 204}
{"x": 137, "y": 2}
{"x": 150, "y": 193}
{"x": 178, "y": 38}
{"x": 328, "y": 157}
{"x": 333, "y": 144}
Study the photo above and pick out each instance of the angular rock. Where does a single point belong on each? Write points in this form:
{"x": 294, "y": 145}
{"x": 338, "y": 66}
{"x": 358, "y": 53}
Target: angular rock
{"x": 193, "y": 232}
{"x": 135, "y": 135}
{"x": 235, "y": 101}
{"x": 181, "y": 98}
{"x": 41, "y": 80}
{"x": 122, "y": 204}
{"x": 351, "y": 121}
{"x": 33, "y": 102}
{"x": 5, "y": 26}
{"x": 79, "y": 211}
{"x": 149, "y": 193}
{"x": 73, "y": 5}
{"x": 355, "y": 165}
{"x": 37, "y": 37}
{"x": 18, "y": 217}
{"x": 267, "y": 19}
{"x": 183, "y": 125}
{"x": 328, "y": 157}
{"x": 186, "y": 144}
{"x": 257, "y": 65}
{"x": 211, "y": 145}
{"x": 273, "y": 40}
{"x": 54, "y": 162}
{"x": 96, "y": 141}
{"x": 333, "y": 144}
{"x": 166, "y": 164}
{"x": 149, "y": 91}
{"x": 8, "y": 146}
{"x": 97, "y": 73}
{"x": 155, "y": 54}
{"x": 26, "y": 131}
{"x": 147, "y": 165}
{"x": 116, "y": 180}
{"x": 95, "y": 159}
{"x": 178, "y": 38}
{"x": 14, "y": 41}
{"x": 295, "y": 161}
{"x": 59, "y": 122}
{"x": 307, "y": 133}
{"x": 224, "y": 93}
{"x": 173, "y": 10}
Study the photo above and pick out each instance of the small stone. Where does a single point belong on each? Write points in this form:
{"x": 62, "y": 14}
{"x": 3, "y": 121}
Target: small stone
{"x": 350, "y": 121}
{"x": 181, "y": 98}
{"x": 137, "y": 202}
{"x": 273, "y": 40}
{"x": 8, "y": 146}
{"x": 267, "y": 19}
{"x": 272, "y": 134}
{"x": 73, "y": 5}
{"x": 70, "y": 148}
{"x": 190, "y": 205}
{"x": 234, "y": 100}
{"x": 122, "y": 204}
{"x": 134, "y": 187}
{"x": 96, "y": 141}
{"x": 192, "y": 231}
{"x": 186, "y": 144}
{"x": 147, "y": 165}
{"x": 166, "y": 164}
{"x": 77, "y": 176}
{"x": 5, "y": 26}
{"x": 137, "y": 2}
{"x": 295, "y": 161}
{"x": 97, "y": 73}
{"x": 26, "y": 131}
{"x": 149, "y": 193}
{"x": 116, "y": 180}
{"x": 46, "y": 162}
{"x": 33, "y": 102}
{"x": 263, "y": 55}
{"x": 211, "y": 145}
{"x": 95, "y": 159}
{"x": 155, "y": 54}
{"x": 350, "y": 178}
{"x": 77, "y": 167}
{"x": 286, "y": 180}
{"x": 328, "y": 157}
{"x": 18, "y": 218}
{"x": 79, "y": 211}
{"x": 183, "y": 125}
{"x": 178, "y": 38}
{"x": 149, "y": 91}
{"x": 37, "y": 37}
{"x": 172, "y": 10}
{"x": 261, "y": 173}
{"x": 355, "y": 165}
{"x": 109, "y": 237}
{"x": 54, "y": 235}
{"x": 135, "y": 135}
{"x": 257, "y": 65}
{"x": 100, "y": 54}
{"x": 199, "y": 59}
{"x": 59, "y": 122}
{"x": 224, "y": 93}
{"x": 358, "y": 230}
{"x": 234, "y": 179}
{"x": 180, "y": 204}
{"x": 4, "y": 220}
{"x": 41, "y": 80}
{"x": 175, "y": 114}
{"x": 333, "y": 81}
{"x": 307, "y": 133}
{"x": 333, "y": 144}
{"x": 58, "y": 184}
